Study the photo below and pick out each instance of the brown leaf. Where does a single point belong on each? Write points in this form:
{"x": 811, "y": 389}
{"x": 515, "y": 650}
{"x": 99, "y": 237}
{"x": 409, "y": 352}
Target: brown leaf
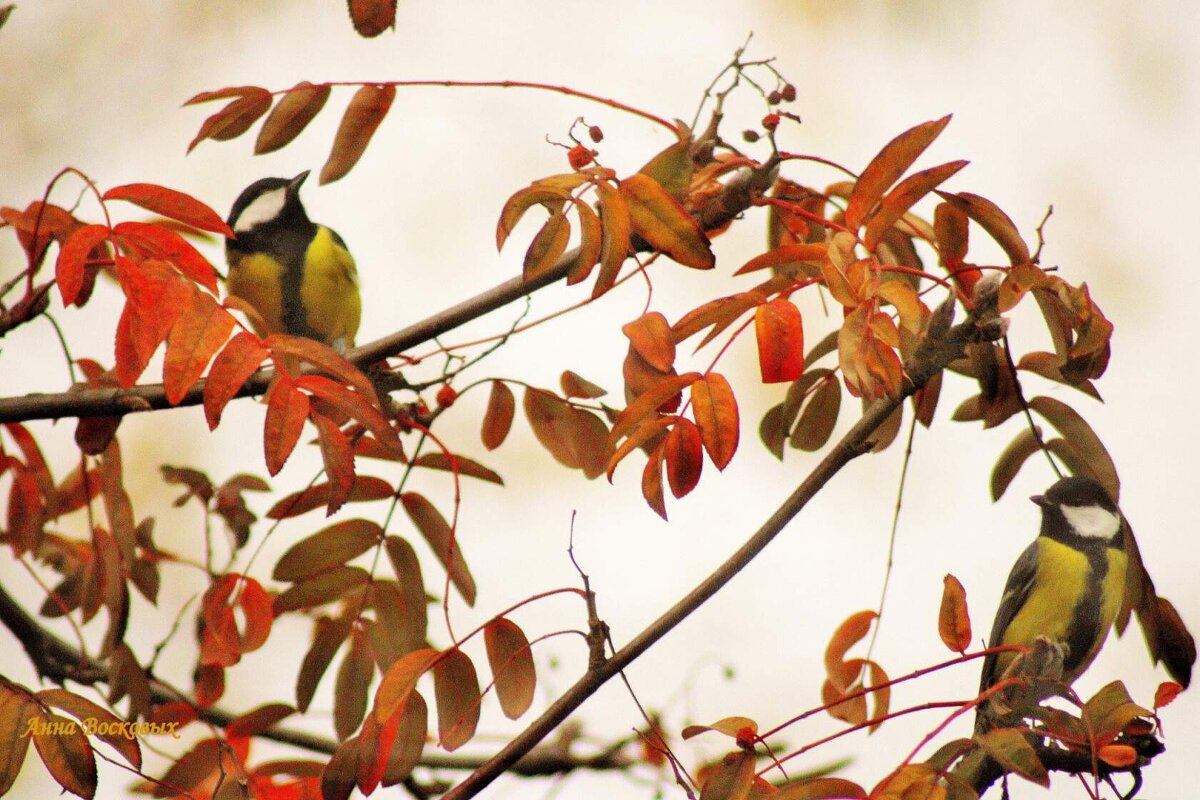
{"x": 652, "y": 483}
{"x": 65, "y": 751}
{"x": 591, "y": 242}
{"x": 366, "y": 488}
{"x": 409, "y": 742}
{"x": 906, "y": 194}
{"x": 259, "y": 720}
{"x": 886, "y": 168}
{"x": 732, "y": 779}
{"x": 352, "y": 684}
{"x": 327, "y": 638}
{"x": 672, "y": 168}
{"x": 547, "y": 246}
{"x": 819, "y": 416}
{"x": 954, "y": 625}
{"x": 290, "y": 116}
{"x": 372, "y": 17}
{"x": 442, "y": 540}
{"x": 551, "y": 195}
{"x": 330, "y": 547}
{"x": 848, "y": 634}
{"x": 992, "y": 219}
{"x": 16, "y": 710}
{"x": 456, "y": 692}
{"x": 320, "y": 589}
{"x": 511, "y": 662}
{"x": 497, "y": 419}
{"x": 1013, "y": 458}
{"x": 460, "y": 464}
{"x": 1013, "y": 752}
{"x": 235, "y": 118}
{"x": 618, "y": 230}
{"x": 366, "y": 111}
{"x": 1081, "y": 436}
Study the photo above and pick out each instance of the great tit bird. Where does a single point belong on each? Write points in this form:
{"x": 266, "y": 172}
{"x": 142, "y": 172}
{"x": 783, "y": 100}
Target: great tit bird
{"x": 1067, "y": 586}
{"x": 297, "y": 274}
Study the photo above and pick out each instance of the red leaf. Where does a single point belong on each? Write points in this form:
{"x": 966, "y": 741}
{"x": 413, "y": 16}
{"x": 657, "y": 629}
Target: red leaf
{"x": 72, "y": 258}
{"x": 906, "y": 194}
{"x": 366, "y": 111}
{"x": 159, "y": 241}
{"x": 780, "y": 334}
{"x": 232, "y": 367}
{"x": 324, "y": 358}
{"x": 290, "y": 116}
{"x": 456, "y": 690}
{"x": 1167, "y": 691}
{"x": 785, "y": 255}
{"x": 650, "y": 336}
{"x": 684, "y": 456}
{"x": 511, "y": 662}
{"x": 716, "y": 412}
{"x": 353, "y": 404}
{"x": 338, "y": 460}
{"x": 650, "y": 401}
{"x": 652, "y": 483}
{"x": 371, "y": 18}
{"x": 287, "y": 409}
{"x": 196, "y": 335}
{"x": 172, "y": 204}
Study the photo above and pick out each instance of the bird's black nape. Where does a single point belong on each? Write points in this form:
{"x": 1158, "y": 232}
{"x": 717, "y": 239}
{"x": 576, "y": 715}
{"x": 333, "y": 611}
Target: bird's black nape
{"x": 1078, "y": 490}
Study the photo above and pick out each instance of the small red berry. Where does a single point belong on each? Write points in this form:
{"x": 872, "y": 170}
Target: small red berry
{"x": 596, "y": 134}
{"x": 579, "y": 156}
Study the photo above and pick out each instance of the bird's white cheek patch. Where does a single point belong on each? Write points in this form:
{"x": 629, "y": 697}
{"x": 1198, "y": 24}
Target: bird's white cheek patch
{"x": 1093, "y": 522}
{"x": 263, "y": 208}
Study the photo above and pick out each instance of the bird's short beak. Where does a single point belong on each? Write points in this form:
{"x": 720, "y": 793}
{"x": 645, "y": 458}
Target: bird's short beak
{"x": 299, "y": 179}
{"x": 1038, "y": 499}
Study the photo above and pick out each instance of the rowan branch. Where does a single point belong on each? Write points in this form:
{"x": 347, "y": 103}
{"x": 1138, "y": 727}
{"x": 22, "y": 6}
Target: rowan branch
{"x": 737, "y": 196}
{"x": 942, "y": 345}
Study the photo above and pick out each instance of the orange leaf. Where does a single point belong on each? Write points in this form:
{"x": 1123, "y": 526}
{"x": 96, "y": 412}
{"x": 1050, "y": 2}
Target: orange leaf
{"x": 511, "y": 662}
{"x": 172, "y": 204}
{"x": 887, "y": 167}
{"x": 780, "y": 334}
{"x": 591, "y": 241}
{"x": 640, "y": 436}
{"x": 732, "y": 727}
{"x": 954, "y": 625}
{"x": 72, "y": 258}
{"x": 732, "y": 779}
{"x": 198, "y": 333}
{"x": 353, "y": 404}
{"x": 906, "y": 194}
{"x": 327, "y": 548}
{"x": 785, "y": 255}
{"x": 658, "y": 218}
{"x": 159, "y": 241}
{"x": 290, "y": 116}
{"x": 16, "y": 710}
{"x": 65, "y": 751}
{"x": 652, "y": 483}
{"x": 456, "y": 691}
{"x": 576, "y": 438}
{"x": 547, "y": 246}
{"x": 442, "y": 540}
{"x": 1166, "y": 693}
{"x": 575, "y": 386}
{"x": 715, "y": 409}
{"x": 366, "y": 111}
{"x": 649, "y": 401}
{"x": 235, "y": 118}
{"x": 1118, "y": 755}
{"x": 497, "y": 419}
{"x": 684, "y": 456}
{"x": 650, "y": 336}
{"x": 993, "y": 220}
{"x": 614, "y": 215}
{"x": 550, "y": 195}
{"x": 232, "y": 367}
{"x": 848, "y": 634}
{"x": 287, "y": 409}
{"x": 400, "y": 680}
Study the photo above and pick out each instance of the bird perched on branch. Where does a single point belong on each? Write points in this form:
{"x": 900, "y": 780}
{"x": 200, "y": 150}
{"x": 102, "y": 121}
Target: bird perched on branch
{"x": 1066, "y": 587}
{"x": 297, "y": 274}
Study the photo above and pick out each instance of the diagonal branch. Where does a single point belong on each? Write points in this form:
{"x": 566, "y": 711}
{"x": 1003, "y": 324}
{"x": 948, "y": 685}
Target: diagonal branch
{"x": 736, "y": 197}
{"x": 943, "y": 345}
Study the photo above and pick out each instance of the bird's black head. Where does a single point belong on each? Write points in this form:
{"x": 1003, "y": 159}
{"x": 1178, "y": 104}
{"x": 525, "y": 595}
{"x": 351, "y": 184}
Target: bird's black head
{"x": 1079, "y": 506}
{"x": 269, "y": 202}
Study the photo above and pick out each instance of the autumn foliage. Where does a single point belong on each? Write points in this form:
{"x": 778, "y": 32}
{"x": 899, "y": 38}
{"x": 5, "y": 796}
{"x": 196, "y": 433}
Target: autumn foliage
{"x": 890, "y": 249}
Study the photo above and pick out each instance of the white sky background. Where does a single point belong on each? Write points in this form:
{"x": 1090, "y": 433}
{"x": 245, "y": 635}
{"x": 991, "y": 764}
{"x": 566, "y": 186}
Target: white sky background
{"x": 1089, "y": 108}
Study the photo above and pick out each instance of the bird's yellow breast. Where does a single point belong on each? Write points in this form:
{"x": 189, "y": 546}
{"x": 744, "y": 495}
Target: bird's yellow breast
{"x": 1063, "y": 583}
{"x": 257, "y": 279}
{"x": 329, "y": 291}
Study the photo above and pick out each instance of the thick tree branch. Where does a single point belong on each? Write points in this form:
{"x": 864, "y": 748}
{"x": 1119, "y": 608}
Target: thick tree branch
{"x": 736, "y": 197}
{"x": 943, "y": 345}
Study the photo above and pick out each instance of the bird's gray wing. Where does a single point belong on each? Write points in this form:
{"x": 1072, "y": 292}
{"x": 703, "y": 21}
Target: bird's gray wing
{"x": 1016, "y": 592}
